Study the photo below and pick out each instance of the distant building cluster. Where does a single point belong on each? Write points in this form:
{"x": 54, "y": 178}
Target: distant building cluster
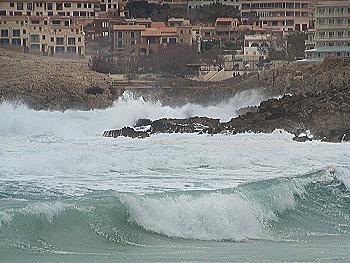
{"x": 80, "y": 27}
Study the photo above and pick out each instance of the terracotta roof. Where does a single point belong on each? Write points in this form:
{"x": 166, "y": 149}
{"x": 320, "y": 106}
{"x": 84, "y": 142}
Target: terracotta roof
{"x": 159, "y": 32}
{"x": 157, "y": 24}
{"x": 226, "y": 19}
{"x": 129, "y": 27}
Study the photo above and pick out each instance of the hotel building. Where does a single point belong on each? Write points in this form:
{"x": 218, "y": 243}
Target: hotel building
{"x": 45, "y": 35}
{"x": 75, "y": 8}
{"x": 284, "y": 15}
{"x": 332, "y": 30}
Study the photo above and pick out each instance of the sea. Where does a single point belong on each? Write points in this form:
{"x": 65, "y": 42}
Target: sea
{"x": 68, "y": 194}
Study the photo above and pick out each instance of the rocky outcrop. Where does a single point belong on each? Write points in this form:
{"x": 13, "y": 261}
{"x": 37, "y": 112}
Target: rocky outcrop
{"x": 126, "y": 132}
{"x": 324, "y": 114}
{"x": 52, "y": 83}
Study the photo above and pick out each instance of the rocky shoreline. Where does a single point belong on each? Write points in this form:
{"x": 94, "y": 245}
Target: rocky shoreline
{"x": 318, "y": 100}
{"x": 324, "y": 114}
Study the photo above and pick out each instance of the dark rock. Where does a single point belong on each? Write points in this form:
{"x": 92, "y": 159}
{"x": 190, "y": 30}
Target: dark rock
{"x": 143, "y": 122}
{"x": 304, "y": 138}
{"x": 126, "y": 132}
{"x": 191, "y": 125}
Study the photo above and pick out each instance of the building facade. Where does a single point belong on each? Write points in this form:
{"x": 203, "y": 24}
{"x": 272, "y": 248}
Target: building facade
{"x": 45, "y": 35}
{"x": 332, "y": 30}
{"x": 75, "y": 8}
{"x": 285, "y": 15}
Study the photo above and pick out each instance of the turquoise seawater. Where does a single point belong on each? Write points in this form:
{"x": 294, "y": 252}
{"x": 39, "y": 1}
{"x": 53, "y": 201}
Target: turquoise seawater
{"x": 69, "y": 195}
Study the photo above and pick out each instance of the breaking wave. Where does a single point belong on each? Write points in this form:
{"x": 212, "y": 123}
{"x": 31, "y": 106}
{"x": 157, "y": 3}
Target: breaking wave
{"x": 317, "y": 203}
{"x": 18, "y": 120}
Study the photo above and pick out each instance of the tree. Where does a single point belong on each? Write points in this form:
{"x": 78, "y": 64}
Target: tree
{"x": 296, "y": 45}
{"x": 209, "y": 13}
{"x": 170, "y": 60}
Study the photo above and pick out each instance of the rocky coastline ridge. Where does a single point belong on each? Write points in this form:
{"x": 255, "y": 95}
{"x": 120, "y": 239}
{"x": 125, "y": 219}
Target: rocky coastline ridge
{"x": 325, "y": 114}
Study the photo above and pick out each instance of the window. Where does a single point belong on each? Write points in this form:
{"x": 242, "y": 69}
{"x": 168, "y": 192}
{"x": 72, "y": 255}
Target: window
{"x": 92, "y": 13}
{"x": 35, "y": 38}
{"x": 120, "y": 43}
{"x": 19, "y": 6}
{"x": 79, "y": 5}
{"x": 49, "y": 6}
{"x": 43, "y": 37}
{"x": 29, "y": 6}
{"x": 75, "y": 13}
{"x": 16, "y": 33}
{"x": 71, "y": 41}
{"x": 56, "y": 22}
{"x": 12, "y": 4}
{"x": 4, "y": 41}
{"x": 52, "y": 39}
{"x": 59, "y": 50}
{"x": 59, "y": 6}
{"x": 16, "y": 42}
{"x": 71, "y": 50}
{"x": 67, "y": 5}
{"x": 61, "y": 13}
{"x": 24, "y": 31}
{"x": 120, "y": 35}
{"x": 2, "y": 13}
{"x": 4, "y": 33}
{"x": 66, "y": 22}
{"x": 50, "y": 13}
{"x": 132, "y": 34}
{"x": 59, "y": 40}
{"x": 35, "y": 22}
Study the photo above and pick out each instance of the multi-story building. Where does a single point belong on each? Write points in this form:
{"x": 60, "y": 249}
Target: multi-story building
{"x": 75, "y": 8}
{"x": 285, "y": 15}
{"x": 45, "y": 35}
{"x": 332, "y": 30}
{"x": 124, "y": 37}
{"x": 14, "y": 31}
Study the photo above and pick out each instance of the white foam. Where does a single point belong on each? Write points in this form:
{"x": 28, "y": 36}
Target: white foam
{"x": 21, "y": 121}
{"x": 212, "y": 216}
{"x": 48, "y": 210}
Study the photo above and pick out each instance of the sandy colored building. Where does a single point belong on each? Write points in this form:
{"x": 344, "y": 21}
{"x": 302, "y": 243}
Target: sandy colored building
{"x": 46, "y": 35}
{"x": 285, "y": 15}
{"x": 75, "y": 8}
{"x": 332, "y": 30}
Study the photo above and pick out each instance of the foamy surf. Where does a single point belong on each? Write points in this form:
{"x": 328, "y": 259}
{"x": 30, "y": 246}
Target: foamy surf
{"x": 18, "y": 120}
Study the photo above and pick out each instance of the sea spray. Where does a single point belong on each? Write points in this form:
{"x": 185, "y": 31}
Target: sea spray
{"x": 18, "y": 120}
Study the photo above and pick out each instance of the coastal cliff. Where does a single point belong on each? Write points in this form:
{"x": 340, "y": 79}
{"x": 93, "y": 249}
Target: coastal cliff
{"x": 45, "y": 83}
